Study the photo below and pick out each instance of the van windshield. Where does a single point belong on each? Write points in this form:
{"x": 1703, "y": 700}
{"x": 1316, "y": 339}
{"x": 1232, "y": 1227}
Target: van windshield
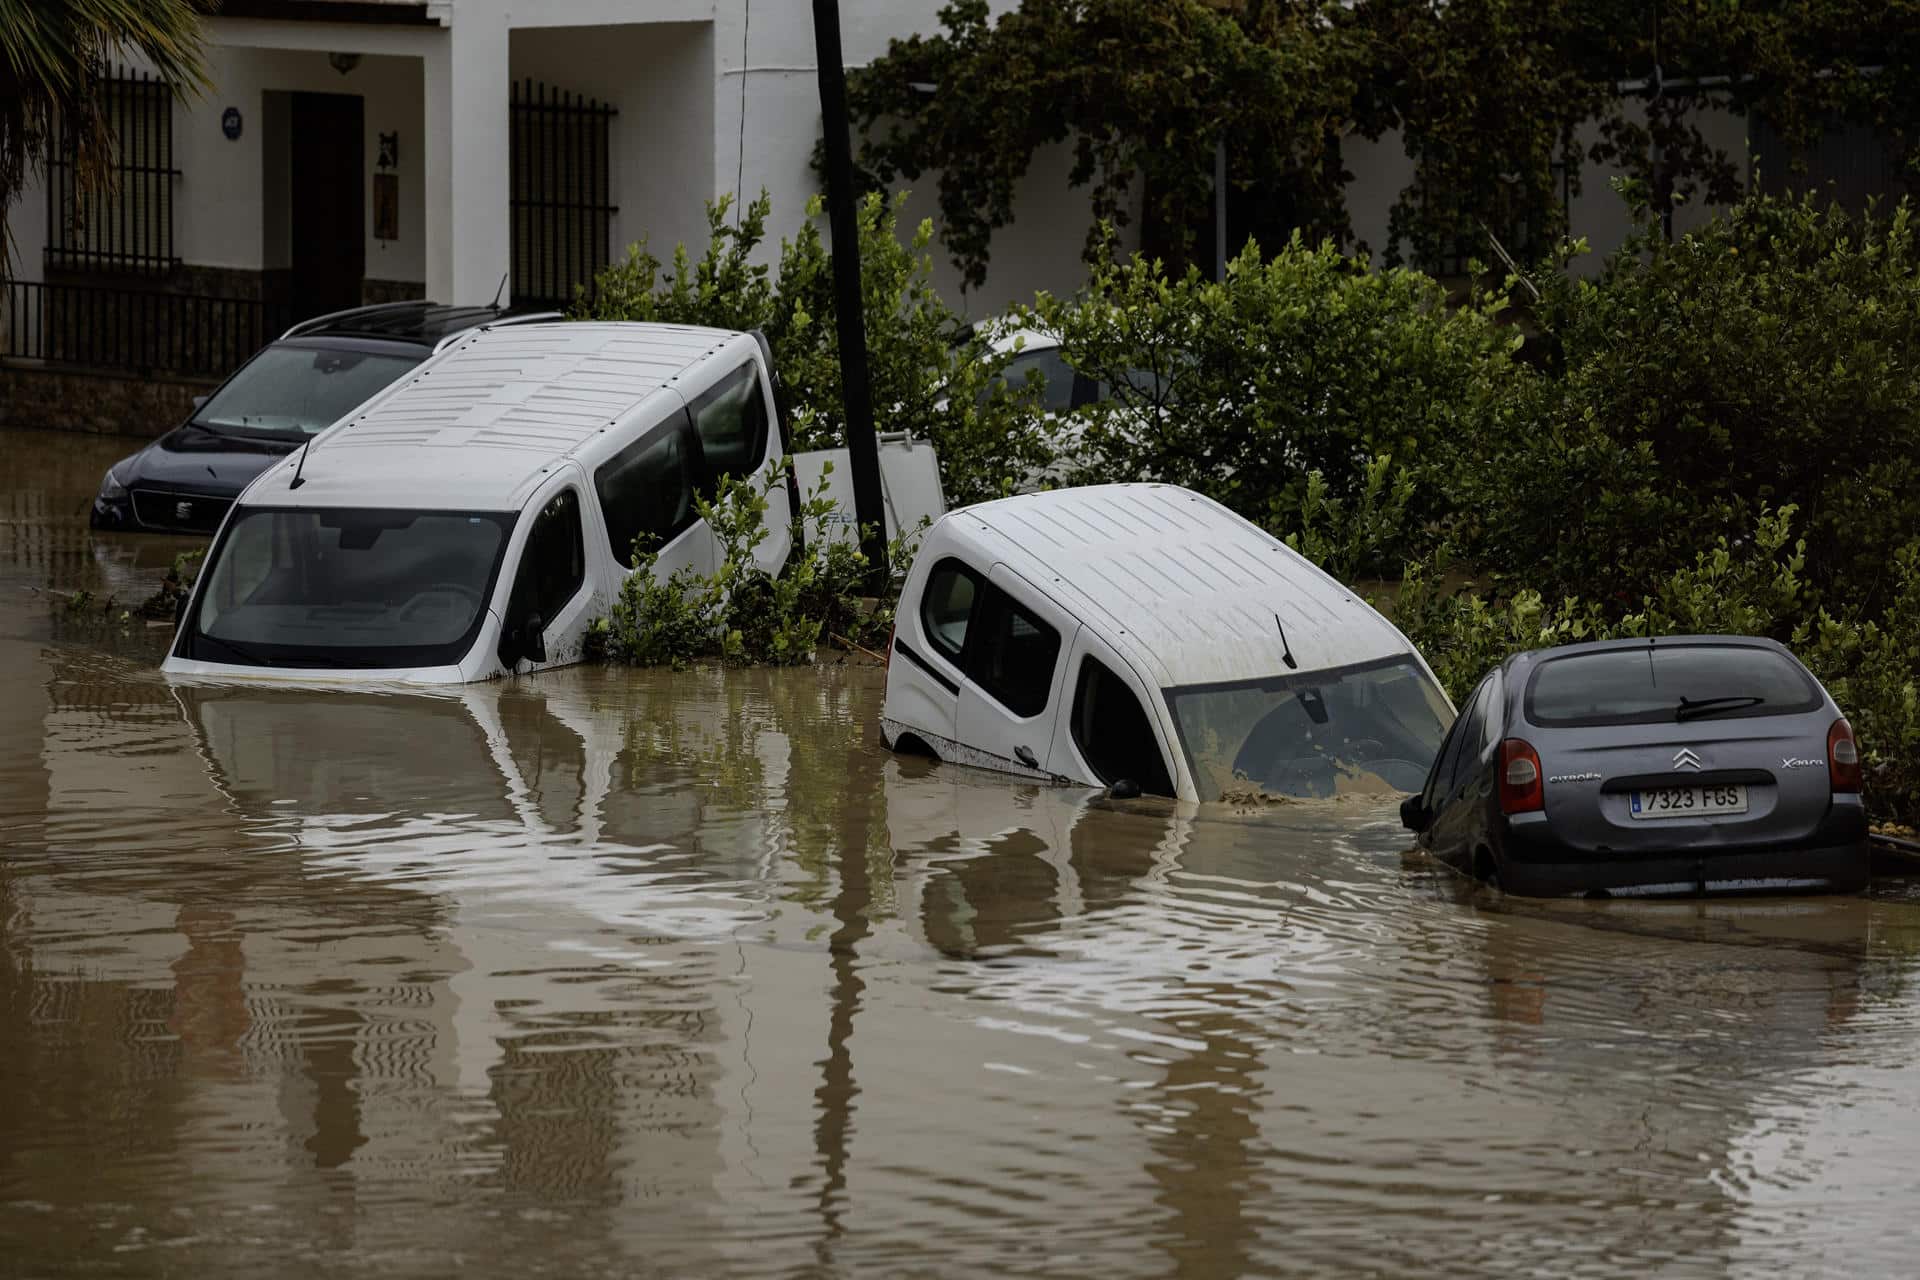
{"x": 1369, "y": 728}
{"x": 347, "y": 588}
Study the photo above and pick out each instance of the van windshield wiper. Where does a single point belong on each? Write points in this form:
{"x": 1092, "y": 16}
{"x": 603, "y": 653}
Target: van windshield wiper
{"x": 239, "y": 651}
{"x": 1708, "y": 706}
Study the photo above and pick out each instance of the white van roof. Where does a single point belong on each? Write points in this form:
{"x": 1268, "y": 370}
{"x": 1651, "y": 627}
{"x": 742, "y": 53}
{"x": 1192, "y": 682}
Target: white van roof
{"x": 1181, "y": 585}
{"x": 476, "y": 427}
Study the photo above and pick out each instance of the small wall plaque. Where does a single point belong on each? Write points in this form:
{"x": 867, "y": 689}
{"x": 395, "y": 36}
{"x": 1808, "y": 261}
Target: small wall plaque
{"x": 230, "y": 123}
{"x": 386, "y": 206}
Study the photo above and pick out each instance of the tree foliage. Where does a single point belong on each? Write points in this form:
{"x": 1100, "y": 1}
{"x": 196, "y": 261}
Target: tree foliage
{"x": 1500, "y": 105}
{"x": 1142, "y": 91}
{"x": 51, "y": 54}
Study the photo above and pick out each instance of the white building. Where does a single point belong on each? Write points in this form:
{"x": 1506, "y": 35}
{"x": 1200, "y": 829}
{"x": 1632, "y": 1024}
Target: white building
{"x": 355, "y": 151}
{"x": 375, "y": 149}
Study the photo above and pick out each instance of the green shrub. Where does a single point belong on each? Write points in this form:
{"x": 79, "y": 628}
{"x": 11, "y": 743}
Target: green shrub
{"x": 1300, "y": 364}
{"x": 742, "y": 614}
{"x": 1873, "y": 671}
{"x": 929, "y": 376}
{"x": 1764, "y": 360}
{"x": 1464, "y": 634}
{"x": 1358, "y": 538}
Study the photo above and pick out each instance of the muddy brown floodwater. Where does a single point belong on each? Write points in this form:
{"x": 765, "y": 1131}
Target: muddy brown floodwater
{"x": 614, "y": 973}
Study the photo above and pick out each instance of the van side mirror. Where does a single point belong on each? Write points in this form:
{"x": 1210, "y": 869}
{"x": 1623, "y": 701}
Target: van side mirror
{"x": 523, "y": 637}
{"x": 1413, "y": 815}
{"x": 199, "y": 401}
{"x": 533, "y": 638}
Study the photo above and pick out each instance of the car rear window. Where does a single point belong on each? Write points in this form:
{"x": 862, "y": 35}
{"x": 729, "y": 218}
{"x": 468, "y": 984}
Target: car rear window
{"x": 1663, "y": 683}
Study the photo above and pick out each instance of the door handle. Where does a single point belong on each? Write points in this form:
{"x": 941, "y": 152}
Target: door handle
{"x": 1025, "y": 757}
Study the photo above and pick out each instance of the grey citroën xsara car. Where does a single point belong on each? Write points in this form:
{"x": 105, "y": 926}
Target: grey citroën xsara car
{"x": 1687, "y": 764}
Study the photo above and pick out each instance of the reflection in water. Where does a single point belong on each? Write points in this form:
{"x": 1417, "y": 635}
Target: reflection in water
{"x": 612, "y": 972}
{"x": 835, "y": 1096}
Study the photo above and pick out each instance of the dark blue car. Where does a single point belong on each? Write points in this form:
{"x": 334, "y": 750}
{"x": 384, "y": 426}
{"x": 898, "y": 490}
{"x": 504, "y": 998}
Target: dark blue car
{"x": 314, "y": 375}
{"x": 1678, "y": 765}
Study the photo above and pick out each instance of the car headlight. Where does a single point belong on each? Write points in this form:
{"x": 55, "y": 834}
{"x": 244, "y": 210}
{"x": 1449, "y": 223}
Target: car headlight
{"x": 111, "y": 490}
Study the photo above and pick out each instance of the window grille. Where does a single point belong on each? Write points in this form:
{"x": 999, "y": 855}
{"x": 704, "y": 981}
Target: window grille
{"x": 1849, "y": 163}
{"x": 129, "y": 225}
{"x": 562, "y": 208}
{"x": 1521, "y": 238}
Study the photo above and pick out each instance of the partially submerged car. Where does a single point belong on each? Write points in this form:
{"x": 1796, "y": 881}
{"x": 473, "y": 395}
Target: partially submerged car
{"x": 1677, "y": 765}
{"x": 318, "y": 371}
{"x": 472, "y": 519}
{"x": 1144, "y": 638}
{"x": 1036, "y": 365}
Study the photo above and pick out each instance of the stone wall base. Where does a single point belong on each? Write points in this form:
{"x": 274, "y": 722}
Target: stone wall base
{"x": 95, "y": 403}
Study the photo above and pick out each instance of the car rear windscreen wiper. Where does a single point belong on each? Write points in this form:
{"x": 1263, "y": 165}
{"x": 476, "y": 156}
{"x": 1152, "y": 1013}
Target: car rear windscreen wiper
{"x": 1709, "y": 706}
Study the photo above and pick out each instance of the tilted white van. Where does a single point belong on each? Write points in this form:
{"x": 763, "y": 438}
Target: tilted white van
{"x": 1146, "y": 636}
{"x": 472, "y": 519}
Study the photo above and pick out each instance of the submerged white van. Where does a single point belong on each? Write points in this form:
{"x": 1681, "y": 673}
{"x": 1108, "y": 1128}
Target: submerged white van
{"x": 1144, "y": 636}
{"x": 472, "y": 519}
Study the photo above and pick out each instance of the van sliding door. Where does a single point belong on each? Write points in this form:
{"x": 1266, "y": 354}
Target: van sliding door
{"x": 646, "y": 492}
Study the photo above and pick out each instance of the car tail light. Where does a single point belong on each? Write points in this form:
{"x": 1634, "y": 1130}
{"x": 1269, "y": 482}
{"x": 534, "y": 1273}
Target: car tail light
{"x": 1843, "y": 758}
{"x": 1520, "y": 783}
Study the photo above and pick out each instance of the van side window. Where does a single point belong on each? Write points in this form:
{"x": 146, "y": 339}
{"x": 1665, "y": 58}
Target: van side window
{"x": 553, "y": 564}
{"x": 946, "y": 606}
{"x": 731, "y": 421}
{"x": 647, "y": 488}
{"x": 1113, "y": 733}
{"x": 1010, "y": 653}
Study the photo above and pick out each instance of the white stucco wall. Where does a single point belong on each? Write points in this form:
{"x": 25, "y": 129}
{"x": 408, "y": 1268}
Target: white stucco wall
{"x": 659, "y": 77}
{"x": 220, "y": 195}
{"x": 1382, "y": 169}
{"x": 774, "y": 54}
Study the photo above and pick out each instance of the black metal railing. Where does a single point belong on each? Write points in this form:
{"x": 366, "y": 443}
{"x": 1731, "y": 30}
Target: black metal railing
{"x": 128, "y": 225}
{"x": 132, "y": 330}
{"x": 561, "y": 197}
{"x": 1850, "y": 163}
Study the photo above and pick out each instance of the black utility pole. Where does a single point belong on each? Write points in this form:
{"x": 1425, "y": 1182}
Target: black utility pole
{"x": 862, "y": 449}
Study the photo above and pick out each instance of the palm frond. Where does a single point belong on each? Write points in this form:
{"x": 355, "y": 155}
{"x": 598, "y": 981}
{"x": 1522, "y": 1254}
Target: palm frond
{"x": 52, "y": 54}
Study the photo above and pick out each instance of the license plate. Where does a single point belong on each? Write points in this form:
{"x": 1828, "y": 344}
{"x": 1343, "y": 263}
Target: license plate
{"x": 1689, "y": 802}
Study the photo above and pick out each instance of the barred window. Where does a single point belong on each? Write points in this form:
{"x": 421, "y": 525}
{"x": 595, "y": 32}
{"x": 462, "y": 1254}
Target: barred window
{"x": 561, "y": 191}
{"x": 128, "y": 226}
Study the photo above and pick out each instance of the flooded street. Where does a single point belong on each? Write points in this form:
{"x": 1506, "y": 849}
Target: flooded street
{"x": 611, "y": 973}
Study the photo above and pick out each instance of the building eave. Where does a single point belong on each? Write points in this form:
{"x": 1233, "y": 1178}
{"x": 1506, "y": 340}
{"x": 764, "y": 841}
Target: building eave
{"x": 355, "y": 12}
